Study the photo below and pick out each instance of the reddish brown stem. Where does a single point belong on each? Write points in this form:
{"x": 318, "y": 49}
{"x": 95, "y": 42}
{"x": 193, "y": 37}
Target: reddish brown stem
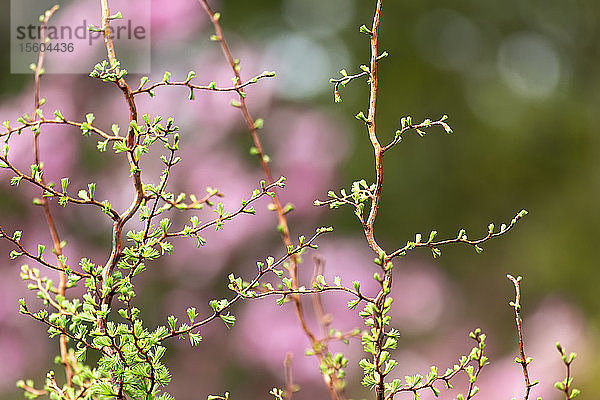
{"x": 289, "y": 382}
{"x": 369, "y": 225}
{"x": 282, "y": 220}
{"x": 519, "y": 322}
{"x": 323, "y": 319}
{"x": 64, "y": 354}
{"x": 378, "y": 151}
{"x": 130, "y": 143}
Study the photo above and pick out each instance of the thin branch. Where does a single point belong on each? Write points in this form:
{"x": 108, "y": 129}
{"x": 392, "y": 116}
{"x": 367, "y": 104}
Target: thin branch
{"x": 368, "y": 225}
{"x": 323, "y": 319}
{"x": 243, "y": 209}
{"x": 60, "y": 268}
{"x": 461, "y": 238}
{"x": 566, "y": 385}
{"x": 210, "y": 87}
{"x": 28, "y": 274}
{"x": 289, "y": 381}
{"x": 38, "y": 121}
{"x": 522, "y": 359}
{"x": 244, "y": 292}
{"x": 63, "y": 331}
{"x": 314, "y": 291}
{"x": 417, "y": 127}
{"x": 378, "y": 151}
{"x": 46, "y": 207}
{"x": 32, "y": 390}
{"x": 139, "y": 346}
{"x": 49, "y": 191}
{"x": 54, "y": 386}
{"x": 130, "y": 143}
{"x": 346, "y": 79}
{"x": 283, "y": 223}
{"x": 465, "y": 364}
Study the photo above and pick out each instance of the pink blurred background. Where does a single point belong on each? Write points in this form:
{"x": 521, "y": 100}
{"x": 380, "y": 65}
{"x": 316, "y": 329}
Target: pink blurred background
{"x": 309, "y": 146}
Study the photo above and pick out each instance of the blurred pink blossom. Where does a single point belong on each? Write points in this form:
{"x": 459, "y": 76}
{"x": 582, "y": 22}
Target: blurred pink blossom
{"x": 308, "y": 147}
{"x": 350, "y": 259}
{"x": 175, "y": 20}
{"x": 553, "y": 321}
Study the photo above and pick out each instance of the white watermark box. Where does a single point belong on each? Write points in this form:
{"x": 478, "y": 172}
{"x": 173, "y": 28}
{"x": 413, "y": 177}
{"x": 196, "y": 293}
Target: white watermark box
{"x": 71, "y": 47}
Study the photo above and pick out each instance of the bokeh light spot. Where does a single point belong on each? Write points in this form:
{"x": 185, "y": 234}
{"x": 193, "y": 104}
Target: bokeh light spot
{"x": 447, "y": 39}
{"x": 529, "y": 65}
{"x": 318, "y": 17}
{"x": 303, "y": 65}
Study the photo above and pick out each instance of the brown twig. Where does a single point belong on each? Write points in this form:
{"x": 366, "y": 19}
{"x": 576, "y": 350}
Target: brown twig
{"x": 475, "y": 362}
{"x": 378, "y": 150}
{"x": 59, "y": 121}
{"x": 251, "y": 127}
{"x": 522, "y": 359}
{"x": 45, "y": 205}
{"x": 462, "y": 238}
{"x": 305, "y": 291}
{"x": 210, "y": 87}
{"x": 323, "y": 319}
{"x": 368, "y": 226}
{"x": 55, "y": 388}
{"x": 130, "y": 142}
{"x": 32, "y": 390}
{"x": 566, "y": 385}
{"x": 289, "y": 381}
{"x": 345, "y": 79}
{"x": 283, "y": 223}
{"x": 40, "y": 64}
{"x": 49, "y": 190}
{"x": 243, "y": 292}
{"x": 375, "y": 374}
{"x": 60, "y": 268}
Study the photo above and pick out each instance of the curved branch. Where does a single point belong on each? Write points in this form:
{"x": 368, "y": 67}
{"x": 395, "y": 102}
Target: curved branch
{"x": 210, "y": 87}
